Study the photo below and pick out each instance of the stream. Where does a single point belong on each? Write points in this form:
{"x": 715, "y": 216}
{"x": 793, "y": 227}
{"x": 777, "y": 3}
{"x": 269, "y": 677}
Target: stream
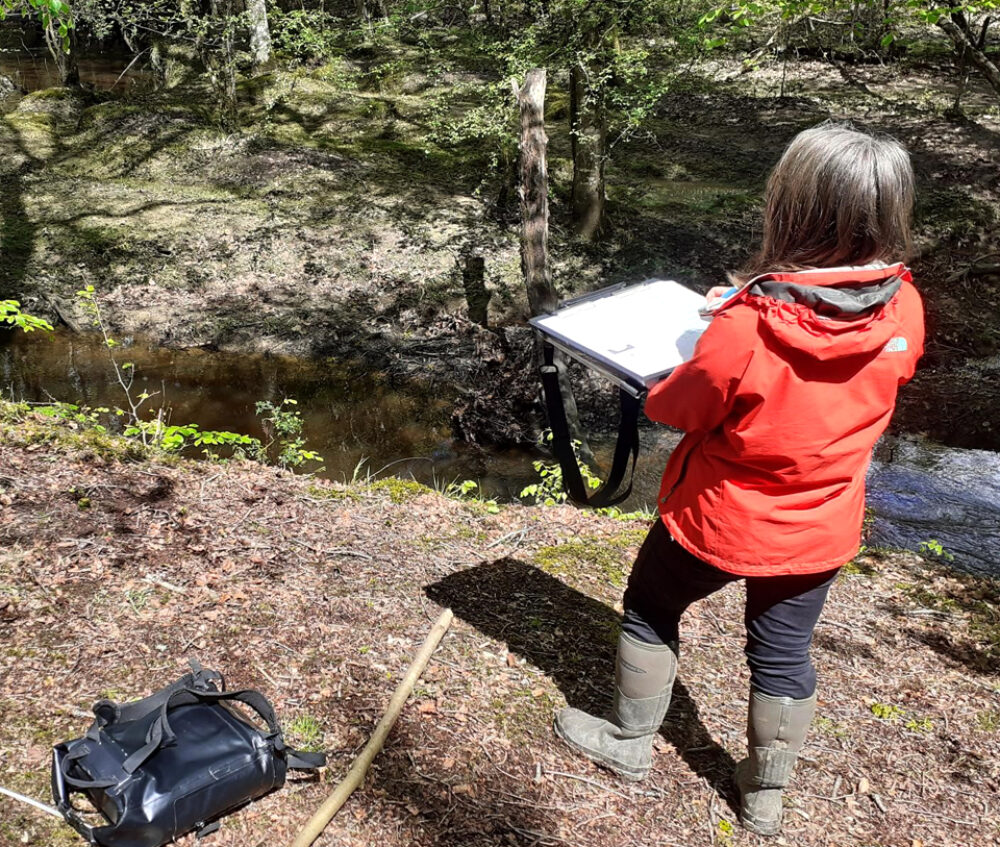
{"x": 362, "y": 424}
{"x": 33, "y": 70}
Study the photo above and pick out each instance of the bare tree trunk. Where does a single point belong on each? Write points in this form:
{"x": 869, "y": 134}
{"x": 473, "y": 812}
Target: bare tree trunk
{"x": 260, "y": 32}
{"x": 221, "y": 62}
{"x": 474, "y": 282}
{"x": 69, "y": 72}
{"x": 957, "y": 28}
{"x": 589, "y": 138}
{"x": 364, "y": 15}
{"x": 534, "y": 194}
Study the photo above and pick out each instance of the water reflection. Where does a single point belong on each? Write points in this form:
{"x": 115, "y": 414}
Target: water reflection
{"x": 921, "y": 492}
{"x": 33, "y": 71}
{"x": 350, "y": 415}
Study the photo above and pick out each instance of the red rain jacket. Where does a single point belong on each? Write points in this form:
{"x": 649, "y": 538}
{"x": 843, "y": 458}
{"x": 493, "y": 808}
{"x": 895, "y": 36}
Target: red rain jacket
{"x": 788, "y": 390}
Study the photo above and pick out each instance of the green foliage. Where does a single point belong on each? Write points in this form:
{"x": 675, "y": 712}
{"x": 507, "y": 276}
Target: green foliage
{"x": 919, "y": 724}
{"x": 81, "y": 415}
{"x": 12, "y": 316}
{"x": 892, "y": 714}
{"x": 283, "y": 423}
{"x": 988, "y": 720}
{"x": 934, "y": 549}
{"x": 724, "y": 832}
{"x": 468, "y": 490}
{"x": 152, "y": 431}
{"x": 871, "y": 26}
{"x": 550, "y": 490}
{"x": 52, "y": 13}
{"x": 306, "y": 733}
{"x": 303, "y": 34}
{"x": 885, "y": 711}
{"x": 173, "y": 437}
{"x": 643, "y": 514}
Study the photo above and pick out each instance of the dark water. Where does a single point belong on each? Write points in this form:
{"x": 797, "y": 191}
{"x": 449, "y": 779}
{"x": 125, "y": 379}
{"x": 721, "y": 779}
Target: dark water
{"x": 353, "y": 418}
{"x": 357, "y": 419}
{"x": 35, "y": 70}
{"x": 921, "y": 492}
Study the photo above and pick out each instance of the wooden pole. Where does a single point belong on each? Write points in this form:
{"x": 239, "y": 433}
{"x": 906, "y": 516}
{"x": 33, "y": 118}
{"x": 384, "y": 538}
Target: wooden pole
{"x": 356, "y": 775}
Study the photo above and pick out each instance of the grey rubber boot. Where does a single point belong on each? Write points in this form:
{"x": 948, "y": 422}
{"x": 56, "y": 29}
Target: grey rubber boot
{"x": 644, "y": 678}
{"x": 776, "y": 730}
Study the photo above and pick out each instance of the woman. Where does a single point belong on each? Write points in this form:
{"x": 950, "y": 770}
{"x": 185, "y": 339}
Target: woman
{"x": 787, "y": 392}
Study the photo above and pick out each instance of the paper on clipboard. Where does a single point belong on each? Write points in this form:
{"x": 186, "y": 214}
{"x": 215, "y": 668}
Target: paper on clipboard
{"x": 637, "y": 334}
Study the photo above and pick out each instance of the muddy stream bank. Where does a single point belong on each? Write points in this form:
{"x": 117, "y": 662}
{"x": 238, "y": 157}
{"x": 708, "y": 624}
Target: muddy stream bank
{"x": 365, "y": 423}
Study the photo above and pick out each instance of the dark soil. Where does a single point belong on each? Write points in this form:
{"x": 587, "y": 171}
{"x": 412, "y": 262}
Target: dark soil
{"x": 115, "y": 569}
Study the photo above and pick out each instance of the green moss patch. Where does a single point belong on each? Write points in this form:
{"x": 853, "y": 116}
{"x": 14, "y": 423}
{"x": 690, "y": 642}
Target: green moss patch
{"x": 609, "y": 556}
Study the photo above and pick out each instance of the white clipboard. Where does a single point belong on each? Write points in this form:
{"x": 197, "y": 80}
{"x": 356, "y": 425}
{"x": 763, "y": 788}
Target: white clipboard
{"x": 635, "y": 335}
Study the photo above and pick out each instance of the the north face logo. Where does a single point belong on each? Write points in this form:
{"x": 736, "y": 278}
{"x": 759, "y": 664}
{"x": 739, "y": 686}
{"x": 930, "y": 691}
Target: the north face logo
{"x": 896, "y": 345}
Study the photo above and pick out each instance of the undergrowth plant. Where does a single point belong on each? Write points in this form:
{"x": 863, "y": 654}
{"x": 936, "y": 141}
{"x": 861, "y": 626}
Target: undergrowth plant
{"x": 14, "y": 318}
{"x": 550, "y": 489}
{"x": 283, "y": 424}
{"x": 156, "y": 431}
{"x": 151, "y": 427}
{"x": 467, "y": 490}
{"x": 934, "y": 549}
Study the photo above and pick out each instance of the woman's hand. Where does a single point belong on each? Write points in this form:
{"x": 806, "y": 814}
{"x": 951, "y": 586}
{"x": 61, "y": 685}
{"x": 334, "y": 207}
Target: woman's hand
{"x": 716, "y": 293}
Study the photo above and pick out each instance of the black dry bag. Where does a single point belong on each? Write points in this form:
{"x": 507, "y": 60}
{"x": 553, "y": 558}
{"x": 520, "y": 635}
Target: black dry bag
{"x": 173, "y": 762}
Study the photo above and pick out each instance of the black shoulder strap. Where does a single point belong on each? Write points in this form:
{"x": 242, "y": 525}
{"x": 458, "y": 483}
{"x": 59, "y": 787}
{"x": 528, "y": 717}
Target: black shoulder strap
{"x": 160, "y": 732}
{"x": 562, "y": 442}
{"x": 108, "y": 712}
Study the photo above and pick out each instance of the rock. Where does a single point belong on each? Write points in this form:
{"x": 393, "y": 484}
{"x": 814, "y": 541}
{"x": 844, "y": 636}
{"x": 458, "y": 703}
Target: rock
{"x": 65, "y": 105}
{"x": 414, "y": 83}
{"x": 8, "y": 87}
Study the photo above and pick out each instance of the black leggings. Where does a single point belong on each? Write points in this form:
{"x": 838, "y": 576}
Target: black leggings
{"x": 781, "y": 611}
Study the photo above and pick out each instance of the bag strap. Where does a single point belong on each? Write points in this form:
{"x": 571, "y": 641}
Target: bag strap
{"x": 300, "y": 760}
{"x": 66, "y": 763}
{"x": 160, "y": 732}
{"x": 562, "y": 444}
{"x": 61, "y": 792}
{"x": 107, "y": 712}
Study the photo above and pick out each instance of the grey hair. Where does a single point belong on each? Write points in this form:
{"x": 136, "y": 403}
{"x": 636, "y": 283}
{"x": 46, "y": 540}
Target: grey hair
{"x": 838, "y": 196}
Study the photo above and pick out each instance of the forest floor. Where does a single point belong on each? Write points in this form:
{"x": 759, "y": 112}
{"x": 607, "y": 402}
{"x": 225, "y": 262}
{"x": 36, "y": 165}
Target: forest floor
{"x": 331, "y": 224}
{"x": 115, "y": 568}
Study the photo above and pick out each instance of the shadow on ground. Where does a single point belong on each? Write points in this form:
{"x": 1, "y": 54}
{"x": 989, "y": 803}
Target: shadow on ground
{"x": 572, "y": 638}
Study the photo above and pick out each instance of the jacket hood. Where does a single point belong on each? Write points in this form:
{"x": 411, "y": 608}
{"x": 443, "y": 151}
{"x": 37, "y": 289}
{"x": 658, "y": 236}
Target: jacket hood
{"x": 830, "y": 313}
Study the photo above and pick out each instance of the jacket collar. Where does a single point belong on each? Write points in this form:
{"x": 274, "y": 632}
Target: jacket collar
{"x": 837, "y": 293}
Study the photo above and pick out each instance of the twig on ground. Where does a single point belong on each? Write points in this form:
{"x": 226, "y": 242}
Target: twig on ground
{"x": 519, "y": 533}
{"x": 201, "y": 490}
{"x": 162, "y": 583}
{"x": 592, "y": 782}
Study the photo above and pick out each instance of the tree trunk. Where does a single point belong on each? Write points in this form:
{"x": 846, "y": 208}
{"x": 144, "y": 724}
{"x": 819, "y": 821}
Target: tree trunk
{"x": 260, "y": 32}
{"x": 534, "y": 194}
{"x": 589, "y": 138}
{"x": 220, "y": 60}
{"x": 364, "y": 15}
{"x": 473, "y": 280}
{"x": 957, "y": 29}
{"x": 69, "y": 72}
